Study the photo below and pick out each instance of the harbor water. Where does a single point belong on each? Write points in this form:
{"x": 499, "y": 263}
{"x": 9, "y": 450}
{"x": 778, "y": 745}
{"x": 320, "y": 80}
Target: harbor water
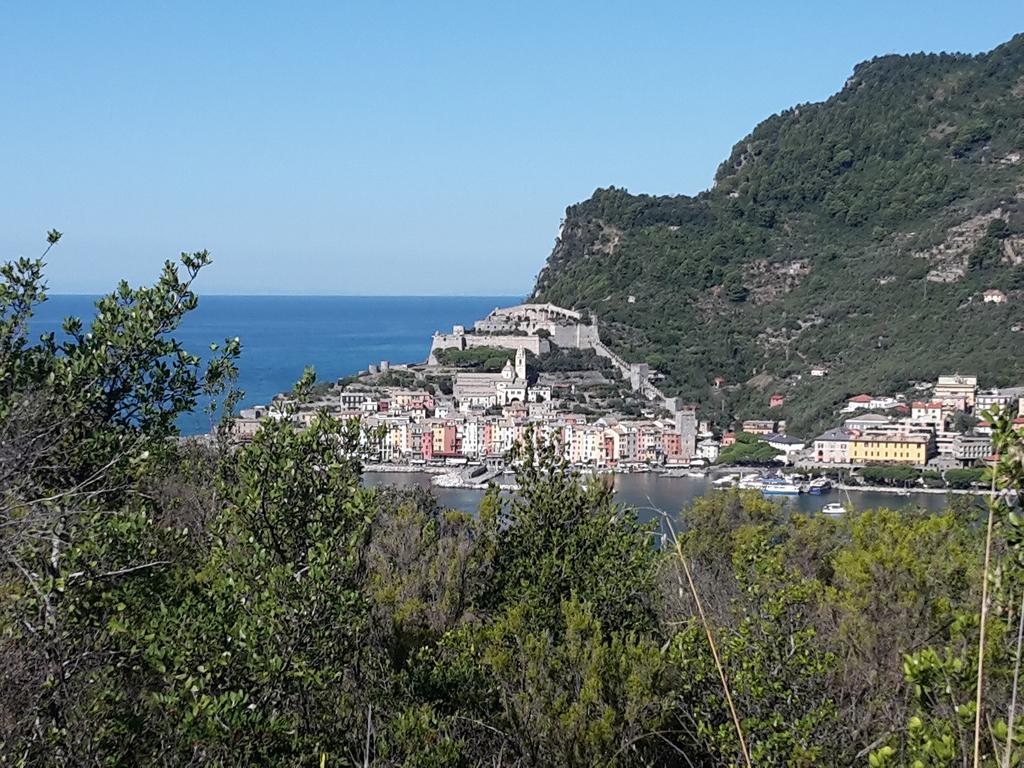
{"x": 654, "y": 495}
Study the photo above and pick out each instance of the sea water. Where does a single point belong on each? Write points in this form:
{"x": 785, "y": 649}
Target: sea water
{"x": 280, "y": 335}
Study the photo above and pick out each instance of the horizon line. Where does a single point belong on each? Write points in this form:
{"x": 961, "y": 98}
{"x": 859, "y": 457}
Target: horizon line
{"x": 324, "y": 295}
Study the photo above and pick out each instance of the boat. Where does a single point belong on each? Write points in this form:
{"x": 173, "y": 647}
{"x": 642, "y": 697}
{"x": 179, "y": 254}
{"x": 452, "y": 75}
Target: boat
{"x": 819, "y": 485}
{"x": 724, "y": 481}
{"x": 779, "y": 486}
{"x": 833, "y": 508}
{"x": 751, "y": 483}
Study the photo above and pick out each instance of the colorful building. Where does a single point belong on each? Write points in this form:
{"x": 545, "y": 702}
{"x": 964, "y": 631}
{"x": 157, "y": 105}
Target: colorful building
{"x": 913, "y": 450}
{"x": 833, "y": 446}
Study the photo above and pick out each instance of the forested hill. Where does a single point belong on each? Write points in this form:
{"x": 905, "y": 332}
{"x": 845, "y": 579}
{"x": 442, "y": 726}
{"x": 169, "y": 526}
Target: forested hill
{"x": 858, "y": 233}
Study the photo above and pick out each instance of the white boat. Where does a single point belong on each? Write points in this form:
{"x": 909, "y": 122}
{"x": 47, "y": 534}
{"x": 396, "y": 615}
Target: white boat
{"x": 780, "y": 487}
{"x": 819, "y": 485}
{"x": 833, "y": 508}
{"x": 724, "y": 481}
{"x": 751, "y": 483}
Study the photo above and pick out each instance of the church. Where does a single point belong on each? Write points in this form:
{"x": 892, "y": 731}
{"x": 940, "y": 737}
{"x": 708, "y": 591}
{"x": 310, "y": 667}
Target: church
{"x": 497, "y": 389}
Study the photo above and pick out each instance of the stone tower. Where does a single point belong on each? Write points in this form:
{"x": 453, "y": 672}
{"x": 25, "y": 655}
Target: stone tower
{"x": 521, "y": 364}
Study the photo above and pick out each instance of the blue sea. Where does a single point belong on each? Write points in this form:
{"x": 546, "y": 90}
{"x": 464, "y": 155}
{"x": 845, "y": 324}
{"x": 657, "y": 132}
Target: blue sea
{"x": 280, "y": 335}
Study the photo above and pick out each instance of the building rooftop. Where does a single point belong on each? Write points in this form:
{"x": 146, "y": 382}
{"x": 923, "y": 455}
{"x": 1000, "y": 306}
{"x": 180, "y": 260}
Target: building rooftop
{"x": 838, "y": 434}
{"x": 1004, "y": 392}
{"x": 876, "y": 418}
{"x": 893, "y": 438}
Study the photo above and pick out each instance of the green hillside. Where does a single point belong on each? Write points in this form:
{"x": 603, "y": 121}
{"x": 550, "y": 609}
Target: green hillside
{"x": 858, "y": 233}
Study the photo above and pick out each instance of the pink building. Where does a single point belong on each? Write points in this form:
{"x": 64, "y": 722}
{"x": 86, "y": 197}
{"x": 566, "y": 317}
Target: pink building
{"x": 833, "y": 447}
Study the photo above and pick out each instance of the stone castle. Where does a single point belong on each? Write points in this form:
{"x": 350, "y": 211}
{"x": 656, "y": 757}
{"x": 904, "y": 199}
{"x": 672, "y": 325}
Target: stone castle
{"x": 530, "y": 327}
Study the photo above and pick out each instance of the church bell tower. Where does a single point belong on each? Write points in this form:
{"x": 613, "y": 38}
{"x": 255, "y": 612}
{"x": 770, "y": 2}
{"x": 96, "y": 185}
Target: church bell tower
{"x": 521, "y": 364}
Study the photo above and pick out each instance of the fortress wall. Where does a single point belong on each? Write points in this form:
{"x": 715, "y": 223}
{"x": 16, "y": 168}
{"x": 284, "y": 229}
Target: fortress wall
{"x": 574, "y": 336}
{"x": 445, "y": 341}
{"x": 533, "y": 344}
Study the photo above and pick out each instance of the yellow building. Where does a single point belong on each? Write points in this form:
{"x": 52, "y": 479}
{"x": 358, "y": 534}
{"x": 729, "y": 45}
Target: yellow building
{"x": 890, "y": 449}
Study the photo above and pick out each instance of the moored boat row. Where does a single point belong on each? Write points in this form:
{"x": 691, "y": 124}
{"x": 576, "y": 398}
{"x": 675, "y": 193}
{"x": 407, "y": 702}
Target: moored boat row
{"x": 782, "y": 485}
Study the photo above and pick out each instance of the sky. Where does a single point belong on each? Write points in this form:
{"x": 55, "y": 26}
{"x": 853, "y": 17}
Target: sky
{"x": 394, "y": 148}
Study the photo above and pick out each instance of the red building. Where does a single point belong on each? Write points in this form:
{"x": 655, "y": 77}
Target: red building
{"x": 728, "y": 438}
{"x": 776, "y": 401}
{"x": 609, "y": 450}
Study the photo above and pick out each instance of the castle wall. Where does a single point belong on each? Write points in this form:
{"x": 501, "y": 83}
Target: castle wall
{"x": 534, "y": 344}
{"x": 574, "y": 336}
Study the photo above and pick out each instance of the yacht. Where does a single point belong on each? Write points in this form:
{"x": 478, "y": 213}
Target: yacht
{"x": 780, "y": 486}
{"x": 819, "y": 485}
{"x": 751, "y": 483}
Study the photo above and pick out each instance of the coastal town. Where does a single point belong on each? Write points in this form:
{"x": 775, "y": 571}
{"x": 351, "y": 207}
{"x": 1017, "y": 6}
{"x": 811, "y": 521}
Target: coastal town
{"x": 542, "y": 371}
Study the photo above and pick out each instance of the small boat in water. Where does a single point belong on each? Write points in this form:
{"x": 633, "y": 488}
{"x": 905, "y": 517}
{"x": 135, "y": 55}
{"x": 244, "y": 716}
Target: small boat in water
{"x": 779, "y": 486}
{"x": 833, "y": 508}
{"x": 819, "y": 485}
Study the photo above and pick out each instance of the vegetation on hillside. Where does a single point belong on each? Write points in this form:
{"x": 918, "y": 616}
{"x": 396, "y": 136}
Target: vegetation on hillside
{"x": 483, "y": 359}
{"x": 817, "y": 242}
{"x": 748, "y": 449}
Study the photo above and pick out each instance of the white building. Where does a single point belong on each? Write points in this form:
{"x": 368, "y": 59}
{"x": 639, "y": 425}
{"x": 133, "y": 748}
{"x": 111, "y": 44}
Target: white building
{"x": 870, "y": 403}
{"x": 928, "y": 413}
{"x": 490, "y": 389}
{"x": 869, "y": 421}
{"x": 1011, "y": 397}
{"x": 785, "y": 443}
{"x": 709, "y": 449}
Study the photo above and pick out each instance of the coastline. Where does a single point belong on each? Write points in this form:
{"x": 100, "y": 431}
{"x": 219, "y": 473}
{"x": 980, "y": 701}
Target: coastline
{"x": 899, "y": 491}
{"x": 405, "y": 468}
{"x": 444, "y": 477}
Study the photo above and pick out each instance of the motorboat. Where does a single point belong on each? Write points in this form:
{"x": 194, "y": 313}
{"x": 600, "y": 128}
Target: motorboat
{"x": 780, "y": 486}
{"x": 833, "y": 508}
{"x": 751, "y": 483}
{"x": 819, "y": 485}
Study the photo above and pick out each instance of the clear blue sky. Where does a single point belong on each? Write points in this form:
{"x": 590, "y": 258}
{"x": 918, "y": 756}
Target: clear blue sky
{"x": 395, "y": 148}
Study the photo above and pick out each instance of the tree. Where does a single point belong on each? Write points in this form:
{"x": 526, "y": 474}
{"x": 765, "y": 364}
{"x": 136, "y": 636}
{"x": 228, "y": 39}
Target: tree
{"x": 561, "y": 541}
{"x": 84, "y": 422}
